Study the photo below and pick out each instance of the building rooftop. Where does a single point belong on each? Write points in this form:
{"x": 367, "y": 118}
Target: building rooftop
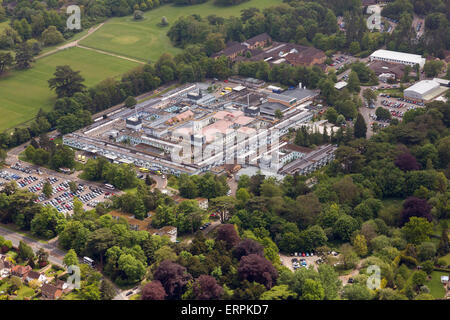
{"x": 424, "y": 86}
{"x": 400, "y": 56}
{"x": 299, "y": 93}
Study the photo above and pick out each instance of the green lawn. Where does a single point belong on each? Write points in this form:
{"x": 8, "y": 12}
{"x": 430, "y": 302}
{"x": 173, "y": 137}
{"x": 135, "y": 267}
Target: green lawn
{"x": 446, "y": 258}
{"x": 24, "y": 292}
{"x": 22, "y": 93}
{"x": 437, "y": 290}
{"x": 145, "y": 39}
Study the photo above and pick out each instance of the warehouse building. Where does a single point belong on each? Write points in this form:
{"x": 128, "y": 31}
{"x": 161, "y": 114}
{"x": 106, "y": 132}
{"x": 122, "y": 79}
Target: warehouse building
{"x": 398, "y": 57}
{"x": 425, "y": 90}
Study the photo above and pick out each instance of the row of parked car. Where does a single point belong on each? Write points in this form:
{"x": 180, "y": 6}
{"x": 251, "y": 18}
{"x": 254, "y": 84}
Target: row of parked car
{"x": 18, "y": 166}
{"x": 419, "y": 103}
{"x": 302, "y": 254}
{"x": 298, "y": 263}
{"x": 206, "y": 225}
{"x": 9, "y": 176}
{"x": 26, "y": 181}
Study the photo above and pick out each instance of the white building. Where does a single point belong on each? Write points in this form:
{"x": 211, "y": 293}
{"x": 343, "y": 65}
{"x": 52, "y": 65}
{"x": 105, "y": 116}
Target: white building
{"x": 398, "y": 57}
{"x": 423, "y": 90}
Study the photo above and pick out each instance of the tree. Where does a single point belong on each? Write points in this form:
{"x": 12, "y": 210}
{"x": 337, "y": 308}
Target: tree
{"x": 312, "y": 290}
{"x": 130, "y": 102}
{"x": 417, "y": 230}
{"x": 132, "y": 268}
{"x": 25, "y": 252}
{"x": 42, "y": 256}
{"x": 66, "y": 82}
{"x": 369, "y": 95}
{"x": 153, "y": 291}
{"x": 206, "y": 288}
{"x": 426, "y": 251}
{"x": 107, "y": 289}
{"x": 357, "y": 292}
{"x": 24, "y": 56}
{"x": 228, "y": 234}
{"x": 360, "y": 127}
{"x": 246, "y": 247}
{"x": 360, "y": 245}
{"x": 344, "y": 227}
{"x": 383, "y": 114}
{"x": 47, "y": 222}
{"x": 444, "y": 246}
{"x": 416, "y": 207}
{"x": 406, "y": 162}
{"x": 47, "y": 189}
{"x": 52, "y": 36}
{"x": 73, "y": 186}
{"x": 353, "y": 82}
{"x": 70, "y": 259}
{"x": 173, "y": 278}
{"x": 278, "y": 114}
{"x": 281, "y": 292}
{"x": 331, "y": 115}
{"x": 224, "y": 206}
{"x": 256, "y": 268}
{"x": 433, "y": 67}
{"x": 6, "y": 60}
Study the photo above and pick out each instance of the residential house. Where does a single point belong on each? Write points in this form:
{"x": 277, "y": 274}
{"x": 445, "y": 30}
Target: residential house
{"x": 34, "y": 275}
{"x": 51, "y": 292}
{"x": 21, "y": 271}
{"x": 5, "y": 267}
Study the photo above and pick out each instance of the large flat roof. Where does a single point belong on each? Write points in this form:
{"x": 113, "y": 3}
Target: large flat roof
{"x": 423, "y": 86}
{"x": 400, "y": 56}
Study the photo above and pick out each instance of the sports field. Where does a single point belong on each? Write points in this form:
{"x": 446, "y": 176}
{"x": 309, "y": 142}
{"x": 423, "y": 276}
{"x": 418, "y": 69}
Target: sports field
{"x": 146, "y": 40}
{"x": 22, "y": 93}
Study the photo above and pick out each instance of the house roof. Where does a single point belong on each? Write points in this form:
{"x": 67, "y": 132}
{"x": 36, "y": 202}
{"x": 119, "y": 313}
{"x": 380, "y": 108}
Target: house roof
{"x": 21, "y": 270}
{"x": 33, "y": 275}
{"x": 260, "y": 37}
{"x": 380, "y": 67}
{"x": 50, "y": 290}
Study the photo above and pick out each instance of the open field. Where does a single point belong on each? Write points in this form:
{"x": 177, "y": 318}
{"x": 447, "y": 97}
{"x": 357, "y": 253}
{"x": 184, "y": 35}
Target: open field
{"x": 437, "y": 289}
{"x": 145, "y": 39}
{"x": 22, "y": 93}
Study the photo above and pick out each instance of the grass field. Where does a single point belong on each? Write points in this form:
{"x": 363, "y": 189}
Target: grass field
{"x": 437, "y": 289}
{"x": 145, "y": 39}
{"x": 22, "y": 93}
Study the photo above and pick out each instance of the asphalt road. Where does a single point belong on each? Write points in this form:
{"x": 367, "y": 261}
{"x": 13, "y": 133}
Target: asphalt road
{"x": 56, "y": 255}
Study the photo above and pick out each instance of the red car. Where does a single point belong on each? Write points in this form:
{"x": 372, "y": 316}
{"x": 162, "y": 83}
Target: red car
{"x": 303, "y": 254}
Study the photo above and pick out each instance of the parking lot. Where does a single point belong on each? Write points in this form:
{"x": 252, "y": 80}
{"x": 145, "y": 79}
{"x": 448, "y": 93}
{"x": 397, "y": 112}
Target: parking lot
{"x": 62, "y": 198}
{"x": 396, "y": 106}
{"x": 340, "y": 60}
{"x": 295, "y": 262}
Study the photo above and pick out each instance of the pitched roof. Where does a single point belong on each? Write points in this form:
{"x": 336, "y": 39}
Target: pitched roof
{"x": 260, "y": 37}
{"x": 33, "y": 275}
{"x": 50, "y": 290}
{"x": 21, "y": 270}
